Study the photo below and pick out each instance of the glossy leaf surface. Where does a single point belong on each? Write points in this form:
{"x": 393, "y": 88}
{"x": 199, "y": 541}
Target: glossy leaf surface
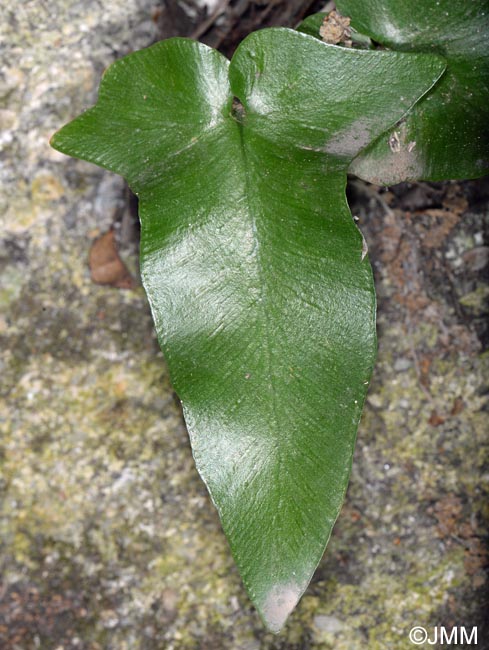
{"x": 446, "y": 136}
{"x": 312, "y": 24}
{"x": 257, "y": 276}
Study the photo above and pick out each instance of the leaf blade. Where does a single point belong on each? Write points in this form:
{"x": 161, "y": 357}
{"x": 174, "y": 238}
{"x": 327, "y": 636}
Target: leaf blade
{"x": 256, "y": 275}
{"x": 138, "y": 121}
{"x": 446, "y": 135}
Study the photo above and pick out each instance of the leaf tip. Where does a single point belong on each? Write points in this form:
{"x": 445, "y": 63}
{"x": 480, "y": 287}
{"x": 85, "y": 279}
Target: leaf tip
{"x": 52, "y": 139}
{"x": 55, "y": 141}
{"x": 278, "y": 604}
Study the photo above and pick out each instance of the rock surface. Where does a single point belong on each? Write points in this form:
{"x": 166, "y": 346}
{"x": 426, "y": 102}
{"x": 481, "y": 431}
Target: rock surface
{"x": 109, "y": 541}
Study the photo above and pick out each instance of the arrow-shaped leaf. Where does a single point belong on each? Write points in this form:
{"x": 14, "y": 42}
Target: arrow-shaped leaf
{"x": 446, "y": 135}
{"x": 256, "y": 274}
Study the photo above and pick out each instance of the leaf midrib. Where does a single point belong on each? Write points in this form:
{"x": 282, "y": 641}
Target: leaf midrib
{"x": 263, "y": 288}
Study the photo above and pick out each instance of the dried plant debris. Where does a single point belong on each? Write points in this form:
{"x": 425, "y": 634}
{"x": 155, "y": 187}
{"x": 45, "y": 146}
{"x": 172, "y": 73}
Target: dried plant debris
{"x": 336, "y": 29}
{"x": 106, "y": 266}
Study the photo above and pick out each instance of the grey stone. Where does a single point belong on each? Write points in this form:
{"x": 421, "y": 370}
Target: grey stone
{"x": 328, "y": 623}
{"x": 402, "y": 364}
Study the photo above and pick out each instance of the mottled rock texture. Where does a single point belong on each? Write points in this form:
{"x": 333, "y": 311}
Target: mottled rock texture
{"x": 109, "y": 541}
